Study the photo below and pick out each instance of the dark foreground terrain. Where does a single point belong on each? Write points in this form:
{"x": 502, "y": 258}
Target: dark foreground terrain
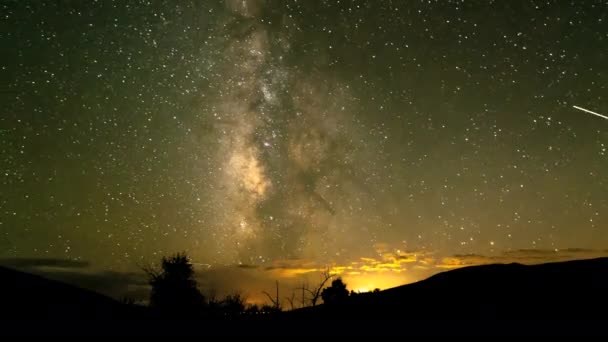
{"x": 555, "y": 299}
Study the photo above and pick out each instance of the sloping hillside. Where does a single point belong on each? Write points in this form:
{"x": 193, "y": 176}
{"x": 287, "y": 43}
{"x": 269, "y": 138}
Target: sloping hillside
{"x": 569, "y": 297}
{"x": 31, "y": 304}
{"x": 565, "y": 298}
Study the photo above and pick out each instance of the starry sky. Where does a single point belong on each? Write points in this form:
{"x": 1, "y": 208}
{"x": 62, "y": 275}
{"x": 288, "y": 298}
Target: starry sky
{"x": 385, "y": 139}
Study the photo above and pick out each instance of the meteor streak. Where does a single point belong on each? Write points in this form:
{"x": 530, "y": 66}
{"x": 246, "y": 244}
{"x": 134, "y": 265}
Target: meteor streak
{"x": 590, "y": 112}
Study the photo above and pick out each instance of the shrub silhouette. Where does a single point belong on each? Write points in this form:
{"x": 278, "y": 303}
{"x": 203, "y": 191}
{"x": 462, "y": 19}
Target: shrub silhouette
{"x": 269, "y": 309}
{"x": 233, "y": 305}
{"x": 174, "y": 289}
{"x": 336, "y": 293}
{"x": 253, "y": 310}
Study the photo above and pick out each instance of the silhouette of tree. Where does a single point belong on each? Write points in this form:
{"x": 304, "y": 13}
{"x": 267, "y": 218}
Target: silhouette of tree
{"x": 127, "y": 301}
{"x": 269, "y": 309}
{"x": 291, "y": 300}
{"x": 213, "y": 305}
{"x": 174, "y": 289}
{"x": 276, "y": 302}
{"x": 303, "y": 300}
{"x": 233, "y": 305}
{"x": 252, "y": 309}
{"x": 336, "y": 293}
{"x": 315, "y": 293}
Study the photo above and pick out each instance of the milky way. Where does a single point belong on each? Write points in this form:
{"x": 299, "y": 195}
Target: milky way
{"x": 374, "y": 136}
{"x": 283, "y": 151}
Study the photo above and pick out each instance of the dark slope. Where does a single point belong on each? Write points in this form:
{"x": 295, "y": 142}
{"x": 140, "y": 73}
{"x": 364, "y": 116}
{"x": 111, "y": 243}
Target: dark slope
{"x": 30, "y": 304}
{"x": 548, "y": 299}
{"x": 556, "y": 299}
{"x": 510, "y": 290}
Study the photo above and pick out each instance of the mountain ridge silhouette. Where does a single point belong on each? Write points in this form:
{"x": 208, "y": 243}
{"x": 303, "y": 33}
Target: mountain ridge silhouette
{"x": 558, "y": 298}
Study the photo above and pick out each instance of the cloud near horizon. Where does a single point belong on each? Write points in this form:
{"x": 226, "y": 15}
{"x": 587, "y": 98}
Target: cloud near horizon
{"x": 522, "y": 256}
{"x": 81, "y": 273}
{"x": 388, "y": 268}
{"x": 26, "y": 263}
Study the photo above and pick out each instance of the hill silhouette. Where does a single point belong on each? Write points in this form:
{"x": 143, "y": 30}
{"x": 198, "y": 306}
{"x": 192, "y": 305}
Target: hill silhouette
{"x": 564, "y": 298}
{"x": 546, "y": 299}
{"x": 31, "y": 304}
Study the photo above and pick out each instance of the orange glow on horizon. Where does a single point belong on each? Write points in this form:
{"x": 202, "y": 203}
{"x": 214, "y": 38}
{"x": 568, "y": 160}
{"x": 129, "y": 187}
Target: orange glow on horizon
{"x": 369, "y": 281}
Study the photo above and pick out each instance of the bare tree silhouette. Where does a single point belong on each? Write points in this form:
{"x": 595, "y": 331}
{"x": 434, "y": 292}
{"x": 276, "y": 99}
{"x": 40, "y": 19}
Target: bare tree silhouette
{"x": 291, "y": 300}
{"x": 315, "y": 293}
{"x": 276, "y": 302}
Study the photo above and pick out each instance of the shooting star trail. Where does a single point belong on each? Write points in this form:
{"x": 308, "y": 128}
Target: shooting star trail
{"x": 590, "y": 112}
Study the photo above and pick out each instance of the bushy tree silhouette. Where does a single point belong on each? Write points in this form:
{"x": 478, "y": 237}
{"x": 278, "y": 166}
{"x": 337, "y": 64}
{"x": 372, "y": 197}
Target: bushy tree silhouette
{"x": 253, "y": 310}
{"x": 336, "y": 293}
{"x": 174, "y": 289}
{"x": 233, "y": 305}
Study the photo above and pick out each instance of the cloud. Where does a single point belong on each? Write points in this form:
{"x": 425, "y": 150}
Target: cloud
{"x": 247, "y": 266}
{"x": 386, "y": 268}
{"x": 80, "y": 274}
{"x": 26, "y": 263}
{"x": 293, "y": 268}
{"x": 522, "y": 256}
{"x": 248, "y": 281}
{"x": 394, "y": 260}
{"x": 412, "y": 257}
{"x": 113, "y": 284}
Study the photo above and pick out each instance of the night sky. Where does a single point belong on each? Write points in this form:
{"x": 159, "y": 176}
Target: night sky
{"x": 386, "y": 139}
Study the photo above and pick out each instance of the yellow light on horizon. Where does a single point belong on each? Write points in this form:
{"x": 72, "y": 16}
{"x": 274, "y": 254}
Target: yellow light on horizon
{"x": 369, "y": 281}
